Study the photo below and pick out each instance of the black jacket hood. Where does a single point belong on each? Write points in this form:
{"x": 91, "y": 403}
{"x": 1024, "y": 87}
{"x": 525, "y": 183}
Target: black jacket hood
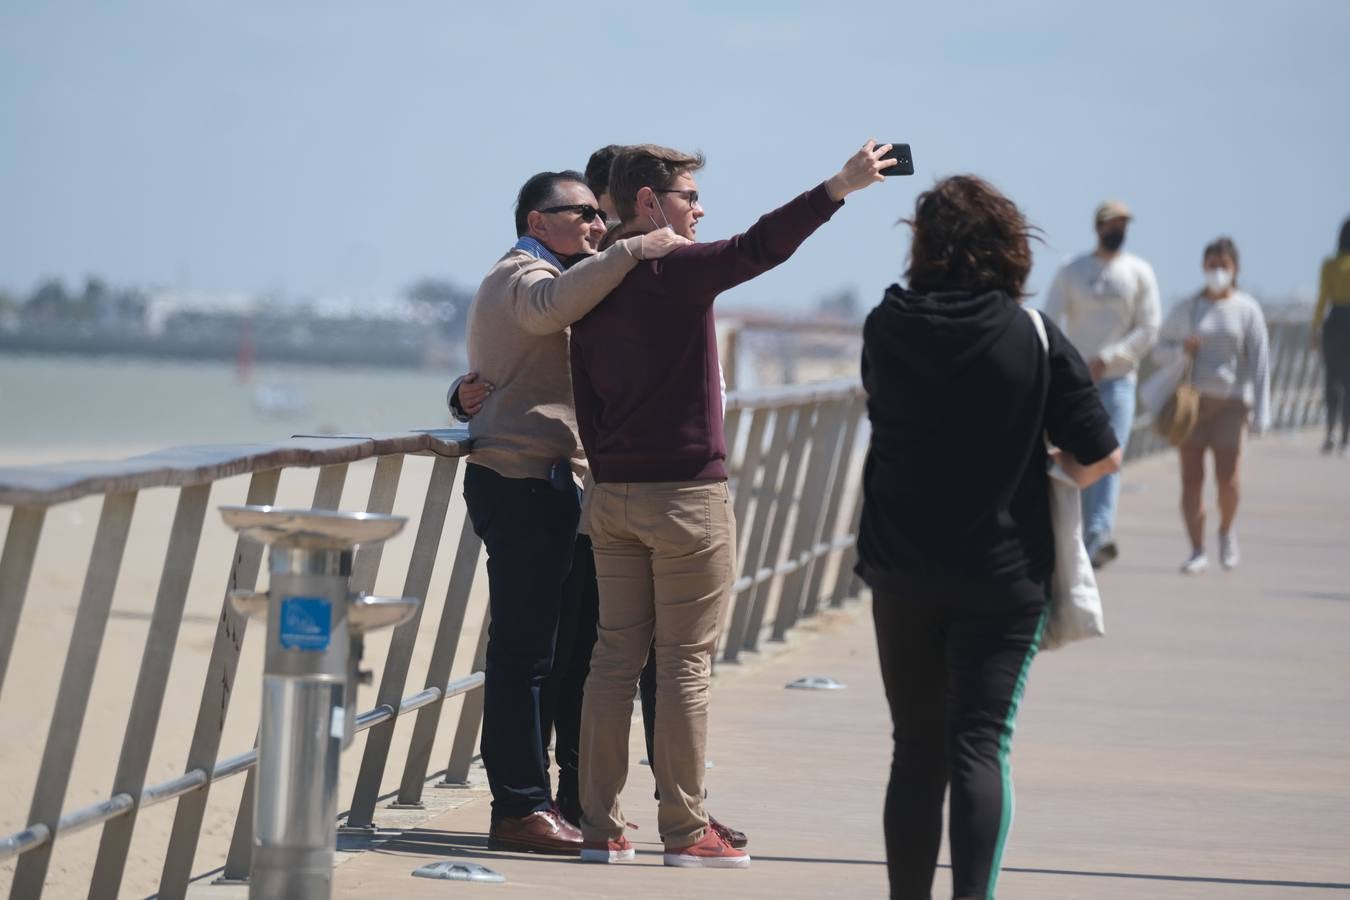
{"x": 934, "y": 336}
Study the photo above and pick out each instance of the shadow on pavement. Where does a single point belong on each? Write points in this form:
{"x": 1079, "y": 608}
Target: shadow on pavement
{"x": 1195, "y": 879}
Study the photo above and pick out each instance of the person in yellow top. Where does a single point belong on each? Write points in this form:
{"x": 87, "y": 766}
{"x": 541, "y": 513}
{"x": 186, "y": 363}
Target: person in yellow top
{"x": 1331, "y": 323}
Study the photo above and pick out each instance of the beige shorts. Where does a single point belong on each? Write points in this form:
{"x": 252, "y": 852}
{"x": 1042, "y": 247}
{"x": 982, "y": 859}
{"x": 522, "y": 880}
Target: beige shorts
{"x": 1221, "y": 424}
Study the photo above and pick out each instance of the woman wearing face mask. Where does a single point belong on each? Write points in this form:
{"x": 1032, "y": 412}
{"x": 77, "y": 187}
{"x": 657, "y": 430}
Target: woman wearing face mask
{"x": 1331, "y": 329}
{"x": 1223, "y": 331}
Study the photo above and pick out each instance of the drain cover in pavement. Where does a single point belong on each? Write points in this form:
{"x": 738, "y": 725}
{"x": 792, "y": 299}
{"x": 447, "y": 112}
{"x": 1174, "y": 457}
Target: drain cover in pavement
{"x": 459, "y": 871}
{"x": 817, "y": 683}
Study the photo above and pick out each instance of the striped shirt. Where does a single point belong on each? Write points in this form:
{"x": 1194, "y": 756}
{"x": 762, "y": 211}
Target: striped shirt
{"x": 1234, "y": 355}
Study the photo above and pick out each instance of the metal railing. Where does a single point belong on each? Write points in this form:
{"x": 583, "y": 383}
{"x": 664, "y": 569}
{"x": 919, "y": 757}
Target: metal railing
{"x": 796, "y": 460}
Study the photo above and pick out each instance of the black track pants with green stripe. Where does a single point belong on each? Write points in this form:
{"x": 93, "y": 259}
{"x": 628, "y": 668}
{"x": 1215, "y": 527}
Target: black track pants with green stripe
{"x": 955, "y": 653}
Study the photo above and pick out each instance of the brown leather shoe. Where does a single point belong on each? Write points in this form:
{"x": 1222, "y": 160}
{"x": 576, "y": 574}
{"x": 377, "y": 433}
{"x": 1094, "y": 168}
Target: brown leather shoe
{"x": 539, "y": 832}
{"x": 736, "y": 839}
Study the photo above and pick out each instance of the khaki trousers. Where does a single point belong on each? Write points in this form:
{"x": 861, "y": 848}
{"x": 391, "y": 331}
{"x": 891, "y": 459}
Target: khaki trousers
{"x": 664, "y": 559}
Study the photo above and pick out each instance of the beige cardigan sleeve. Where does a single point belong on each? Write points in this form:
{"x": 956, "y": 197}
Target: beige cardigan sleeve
{"x": 546, "y": 302}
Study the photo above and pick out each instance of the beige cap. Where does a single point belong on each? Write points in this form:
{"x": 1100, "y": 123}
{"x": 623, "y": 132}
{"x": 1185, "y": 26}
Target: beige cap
{"x": 1112, "y": 209}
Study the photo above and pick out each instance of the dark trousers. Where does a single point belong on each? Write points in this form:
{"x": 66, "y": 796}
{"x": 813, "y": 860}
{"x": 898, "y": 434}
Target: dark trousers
{"x": 560, "y": 710}
{"x": 1336, "y": 357}
{"x": 529, "y": 531}
{"x": 954, "y": 659}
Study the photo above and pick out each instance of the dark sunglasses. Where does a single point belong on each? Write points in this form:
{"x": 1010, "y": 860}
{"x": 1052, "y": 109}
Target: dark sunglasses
{"x": 587, "y": 212}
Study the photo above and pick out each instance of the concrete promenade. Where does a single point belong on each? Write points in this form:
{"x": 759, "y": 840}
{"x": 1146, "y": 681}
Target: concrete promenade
{"x": 1201, "y": 750}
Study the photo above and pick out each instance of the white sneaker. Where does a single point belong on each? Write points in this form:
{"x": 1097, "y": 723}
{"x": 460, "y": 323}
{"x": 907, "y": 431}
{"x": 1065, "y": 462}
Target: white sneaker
{"x": 1229, "y": 555}
{"x": 1196, "y": 564}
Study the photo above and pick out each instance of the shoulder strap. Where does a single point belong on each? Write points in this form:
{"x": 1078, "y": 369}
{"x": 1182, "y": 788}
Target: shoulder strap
{"x": 1039, "y": 323}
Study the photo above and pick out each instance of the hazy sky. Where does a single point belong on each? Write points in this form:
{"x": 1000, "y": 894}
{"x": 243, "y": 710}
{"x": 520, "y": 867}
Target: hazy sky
{"x": 350, "y": 147}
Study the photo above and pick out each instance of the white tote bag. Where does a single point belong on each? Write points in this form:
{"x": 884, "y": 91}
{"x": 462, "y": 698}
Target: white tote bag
{"x": 1075, "y": 603}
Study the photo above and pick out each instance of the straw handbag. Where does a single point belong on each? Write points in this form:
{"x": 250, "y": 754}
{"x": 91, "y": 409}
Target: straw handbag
{"x": 1179, "y": 415}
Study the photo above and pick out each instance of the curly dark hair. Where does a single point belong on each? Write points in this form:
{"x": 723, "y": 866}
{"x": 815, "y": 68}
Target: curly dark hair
{"x": 1344, "y": 245}
{"x": 969, "y": 237}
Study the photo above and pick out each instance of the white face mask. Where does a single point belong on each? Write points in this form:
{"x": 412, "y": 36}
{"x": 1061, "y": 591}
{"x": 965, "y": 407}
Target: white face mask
{"x": 1218, "y": 280}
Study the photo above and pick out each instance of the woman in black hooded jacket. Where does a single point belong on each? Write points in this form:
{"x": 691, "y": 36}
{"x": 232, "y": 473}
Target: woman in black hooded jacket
{"x": 955, "y": 540}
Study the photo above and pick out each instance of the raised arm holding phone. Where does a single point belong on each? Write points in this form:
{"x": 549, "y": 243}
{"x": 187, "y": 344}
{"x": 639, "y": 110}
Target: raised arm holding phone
{"x": 644, "y": 375}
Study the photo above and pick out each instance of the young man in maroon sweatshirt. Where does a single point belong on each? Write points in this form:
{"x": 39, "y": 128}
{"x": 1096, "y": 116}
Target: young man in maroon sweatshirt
{"x": 648, "y": 401}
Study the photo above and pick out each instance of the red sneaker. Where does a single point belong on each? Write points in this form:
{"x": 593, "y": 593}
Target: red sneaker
{"x": 620, "y": 849}
{"x": 710, "y": 853}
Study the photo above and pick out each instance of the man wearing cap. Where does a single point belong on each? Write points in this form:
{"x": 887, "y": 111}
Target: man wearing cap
{"x": 1106, "y": 302}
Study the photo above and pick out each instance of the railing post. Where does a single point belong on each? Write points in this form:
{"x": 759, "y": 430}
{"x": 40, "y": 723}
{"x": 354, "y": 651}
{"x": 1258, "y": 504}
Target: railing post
{"x": 148, "y": 699}
{"x": 824, "y": 441}
{"x": 215, "y": 702}
{"x": 1289, "y": 415}
{"x": 852, "y": 411}
{"x": 746, "y": 476}
{"x": 754, "y": 535}
{"x": 785, "y": 504}
{"x": 1280, "y": 353}
{"x": 399, "y": 658}
{"x": 844, "y": 577}
{"x": 72, "y": 697}
{"x": 383, "y": 493}
{"x": 16, "y": 566}
{"x": 470, "y": 717}
{"x": 1310, "y": 391}
{"x": 442, "y": 661}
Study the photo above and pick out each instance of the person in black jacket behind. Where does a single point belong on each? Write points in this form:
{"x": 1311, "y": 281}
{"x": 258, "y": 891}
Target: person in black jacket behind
{"x": 956, "y": 539}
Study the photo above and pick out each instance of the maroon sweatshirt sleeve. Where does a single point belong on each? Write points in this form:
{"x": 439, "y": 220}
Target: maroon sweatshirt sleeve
{"x": 702, "y": 271}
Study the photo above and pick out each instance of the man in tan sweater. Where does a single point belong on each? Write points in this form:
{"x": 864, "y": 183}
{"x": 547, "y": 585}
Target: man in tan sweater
{"x": 521, "y": 481}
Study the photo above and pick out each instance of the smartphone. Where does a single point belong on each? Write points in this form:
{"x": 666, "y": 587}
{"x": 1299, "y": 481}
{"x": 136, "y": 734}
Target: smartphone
{"x": 904, "y": 162}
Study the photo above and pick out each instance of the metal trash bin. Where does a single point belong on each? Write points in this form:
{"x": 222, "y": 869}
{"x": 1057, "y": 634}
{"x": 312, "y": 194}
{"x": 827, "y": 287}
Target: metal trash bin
{"x": 315, "y": 626}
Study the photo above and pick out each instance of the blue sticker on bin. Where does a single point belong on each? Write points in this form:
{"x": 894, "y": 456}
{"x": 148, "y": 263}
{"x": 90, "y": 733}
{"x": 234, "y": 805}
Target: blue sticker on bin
{"x": 306, "y": 623}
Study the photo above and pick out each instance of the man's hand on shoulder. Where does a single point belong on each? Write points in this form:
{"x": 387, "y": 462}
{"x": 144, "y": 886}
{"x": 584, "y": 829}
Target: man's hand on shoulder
{"x": 659, "y": 243}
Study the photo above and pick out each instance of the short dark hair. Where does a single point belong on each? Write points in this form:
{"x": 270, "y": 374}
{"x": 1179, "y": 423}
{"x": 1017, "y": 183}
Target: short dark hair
{"x": 1344, "y": 245}
{"x": 537, "y": 192}
{"x": 1223, "y": 246}
{"x": 598, "y": 166}
{"x": 646, "y": 165}
{"x": 968, "y": 237}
